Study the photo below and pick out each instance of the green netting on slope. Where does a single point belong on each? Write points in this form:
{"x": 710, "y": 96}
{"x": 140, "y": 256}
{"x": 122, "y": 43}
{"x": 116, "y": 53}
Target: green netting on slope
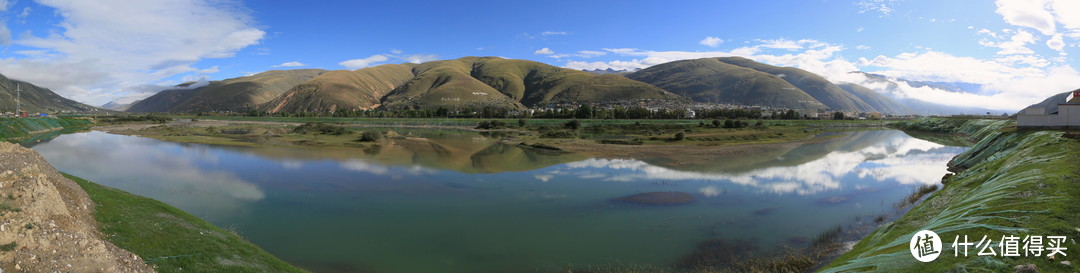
{"x": 969, "y": 210}
{"x": 19, "y": 127}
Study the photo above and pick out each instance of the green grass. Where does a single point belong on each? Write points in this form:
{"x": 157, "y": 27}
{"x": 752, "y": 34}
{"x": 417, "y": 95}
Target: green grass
{"x": 1015, "y": 183}
{"x": 8, "y": 247}
{"x": 173, "y": 240}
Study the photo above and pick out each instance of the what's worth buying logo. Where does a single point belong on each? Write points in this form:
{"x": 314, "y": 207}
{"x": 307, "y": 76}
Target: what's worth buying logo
{"x": 926, "y": 246}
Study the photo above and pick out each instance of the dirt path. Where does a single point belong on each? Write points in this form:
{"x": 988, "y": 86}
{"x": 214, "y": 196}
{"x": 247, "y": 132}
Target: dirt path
{"x": 47, "y": 222}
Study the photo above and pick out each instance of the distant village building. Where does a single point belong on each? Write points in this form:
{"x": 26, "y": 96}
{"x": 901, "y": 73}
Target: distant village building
{"x": 1067, "y": 114}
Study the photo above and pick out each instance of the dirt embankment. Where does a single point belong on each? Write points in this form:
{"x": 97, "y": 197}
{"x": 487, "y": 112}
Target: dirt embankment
{"x": 47, "y": 222}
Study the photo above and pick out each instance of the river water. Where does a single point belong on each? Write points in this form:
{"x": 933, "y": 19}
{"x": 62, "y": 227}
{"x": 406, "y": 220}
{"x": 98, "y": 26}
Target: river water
{"x": 461, "y": 202}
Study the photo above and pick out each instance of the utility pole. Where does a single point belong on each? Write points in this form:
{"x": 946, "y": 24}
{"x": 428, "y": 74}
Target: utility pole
{"x": 18, "y": 100}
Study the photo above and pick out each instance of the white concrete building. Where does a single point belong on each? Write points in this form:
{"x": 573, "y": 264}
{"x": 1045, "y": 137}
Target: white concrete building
{"x": 1067, "y": 114}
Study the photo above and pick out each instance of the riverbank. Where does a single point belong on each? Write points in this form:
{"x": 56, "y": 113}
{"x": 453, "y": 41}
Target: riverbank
{"x": 109, "y": 230}
{"x": 1010, "y": 183}
{"x": 670, "y": 143}
{"x": 46, "y": 222}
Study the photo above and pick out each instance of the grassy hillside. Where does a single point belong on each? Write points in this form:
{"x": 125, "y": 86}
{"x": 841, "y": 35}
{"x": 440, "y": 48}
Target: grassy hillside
{"x": 360, "y": 89}
{"x": 818, "y": 87}
{"x": 876, "y": 100}
{"x": 20, "y": 128}
{"x": 710, "y": 80}
{"x": 1016, "y": 183}
{"x": 35, "y": 99}
{"x": 173, "y": 240}
{"x": 496, "y": 82}
{"x": 237, "y": 94}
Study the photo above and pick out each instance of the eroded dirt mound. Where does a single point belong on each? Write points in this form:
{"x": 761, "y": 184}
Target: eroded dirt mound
{"x": 658, "y": 198}
{"x": 46, "y": 221}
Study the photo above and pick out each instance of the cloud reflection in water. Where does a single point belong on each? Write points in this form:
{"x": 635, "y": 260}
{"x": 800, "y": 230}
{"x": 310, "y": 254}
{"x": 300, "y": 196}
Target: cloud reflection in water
{"x": 169, "y": 172}
{"x": 900, "y": 158}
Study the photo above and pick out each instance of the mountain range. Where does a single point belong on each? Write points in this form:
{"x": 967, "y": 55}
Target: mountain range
{"x": 477, "y": 82}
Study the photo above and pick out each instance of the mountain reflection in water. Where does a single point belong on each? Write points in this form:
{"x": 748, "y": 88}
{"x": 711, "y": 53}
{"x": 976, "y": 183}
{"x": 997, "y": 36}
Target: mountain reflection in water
{"x": 460, "y": 202}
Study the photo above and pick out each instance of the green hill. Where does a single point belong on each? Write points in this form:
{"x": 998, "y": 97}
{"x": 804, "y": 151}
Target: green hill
{"x": 817, "y": 86}
{"x": 237, "y": 94}
{"x": 876, "y": 100}
{"x": 711, "y": 80}
{"x": 360, "y": 89}
{"x": 35, "y": 99}
{"x": 506, "y": 83}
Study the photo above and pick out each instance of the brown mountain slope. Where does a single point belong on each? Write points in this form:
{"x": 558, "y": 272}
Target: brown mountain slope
{"x": 236, "y": 94}
{"x": 360, "y": 89}
{"x": 506, "y": 83}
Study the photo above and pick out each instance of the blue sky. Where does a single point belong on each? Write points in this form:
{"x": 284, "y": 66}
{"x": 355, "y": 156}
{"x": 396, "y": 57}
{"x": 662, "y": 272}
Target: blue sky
{"x": 1018, "y": 51}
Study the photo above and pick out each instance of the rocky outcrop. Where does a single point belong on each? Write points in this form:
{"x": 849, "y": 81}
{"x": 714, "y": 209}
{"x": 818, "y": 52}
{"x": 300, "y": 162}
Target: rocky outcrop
{"x": 47, "y": 222}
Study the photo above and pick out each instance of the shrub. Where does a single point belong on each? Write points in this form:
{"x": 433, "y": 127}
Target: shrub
{"x": 573, "y": 124}
{"x": 370, "y": 136}
{"x": 680, "y": 136}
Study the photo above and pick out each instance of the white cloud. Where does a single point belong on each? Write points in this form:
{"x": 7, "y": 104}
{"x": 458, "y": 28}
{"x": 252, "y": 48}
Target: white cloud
{"x": 1010, "y": 82}
{"x": 4, "y": 4}
{"x": 130, "y": 43}
{"x": 396, "y": 51}
{"x": 882, "y": 6}
{"x": 1017, "y": 44}
{"x": 5, "y": 34}
{"x": 420, "y": 58}
{"x": 862, "y": 47}
{"x": 544, "y": 51}
{"x": 591, "y": 53}
{"x": 1056, "y": 43}
{"x": 1028, "y": 13}
{"x": 1068, "y": 13}
{"x": 549, "y": 33}
{"x": 711, "y": 41}
{"x": 290, "y": 64}
{"x": 25, "y": 12}
{"x": 365, "y": 62}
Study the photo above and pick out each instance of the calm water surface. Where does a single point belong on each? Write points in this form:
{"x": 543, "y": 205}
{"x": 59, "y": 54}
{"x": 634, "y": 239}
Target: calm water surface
{"x": 460, "y": 202}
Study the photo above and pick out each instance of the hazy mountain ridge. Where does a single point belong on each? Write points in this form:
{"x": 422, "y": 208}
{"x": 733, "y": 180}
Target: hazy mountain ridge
{"x": 895, "y": 88}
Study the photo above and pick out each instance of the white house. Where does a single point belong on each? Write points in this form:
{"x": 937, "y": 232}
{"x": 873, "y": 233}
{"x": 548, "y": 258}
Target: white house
{"x": 1067, "y": 114}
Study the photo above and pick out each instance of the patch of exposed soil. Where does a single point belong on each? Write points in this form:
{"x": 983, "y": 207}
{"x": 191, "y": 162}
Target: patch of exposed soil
{"x": 47, "y": 222}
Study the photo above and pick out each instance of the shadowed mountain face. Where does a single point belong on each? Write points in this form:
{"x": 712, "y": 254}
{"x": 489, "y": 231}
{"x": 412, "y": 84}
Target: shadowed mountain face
{"x": 35, "y": 99}
{"x": 496, "y": 82}
{"x": 711, "y": 80}
{"x": 237, "y": 94}
{"x": 817, "y": 86}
